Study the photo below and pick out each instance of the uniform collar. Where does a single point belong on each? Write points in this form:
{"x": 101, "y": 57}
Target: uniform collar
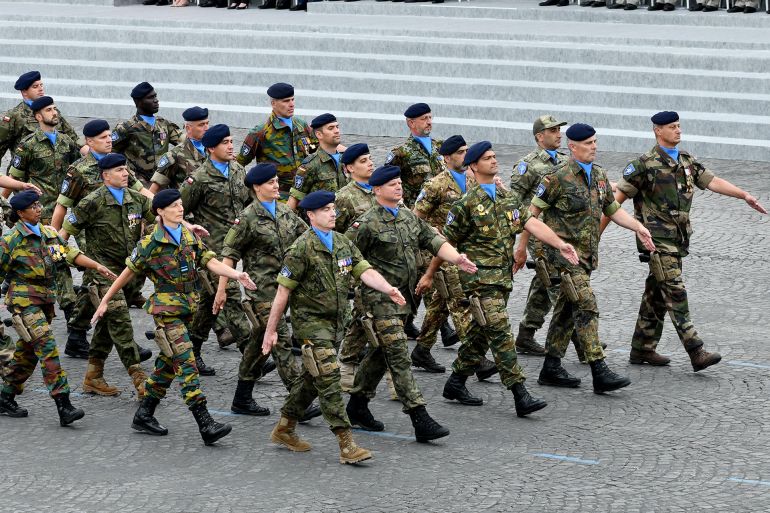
{"x": 26, "y": 232}
{"x": 358, "y": 186}
{"x": 413, "y": 141}
{"x": 279, "y": 125}
{"x": 660, "y": 154}
{"x": 212, "y": 171}
{"x": 144, "y": 123}
{"x": 193, "y": 150}
{"x": 160, "y": 235}
{"x": 110, "y": 199}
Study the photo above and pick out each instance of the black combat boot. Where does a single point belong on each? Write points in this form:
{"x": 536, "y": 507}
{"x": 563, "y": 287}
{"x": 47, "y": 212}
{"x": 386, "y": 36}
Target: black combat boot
{"x": 554, "y": 375}
{"x": 144, "y": 353}
{"x": 67, "y": 413}
{"x": 449, "y": 336}
{"x": 282, "y": 4}
{"x": 486, "y": 369}
{"x": 526, "y": 343}
{"x": 210, "y": 429}
{"x": 455, "y": 389}
{"x": 77, "y": 343}
{"x": 144, "y": 418}
{"x": 605, "y": 380}
{"x": 244, "y": 403}
{"x": 268, "y": 367}
{"x": 9, "y": 407}
{"x": 422, "y": 358}
{"x": 425, "y": 428}
{"x": 203, "y": 369}
{"x": 700, "y": 359}
{"x": 525, "y": 403}
{"x": 412, "y": 331}
{"x": 311, "y": 412}
{"x": 359, "y": 414}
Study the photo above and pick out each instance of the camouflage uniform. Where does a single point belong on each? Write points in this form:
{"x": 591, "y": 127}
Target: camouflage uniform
{"x": 30, "y": 263}
{"x": 173, "y": 269}
{"x": 392, "y": 245}
{"x": 19, "y": 122}
{"x": 177, "y": 164}
{"x": 486, "y": 230}
{"x": 319, "y": 281}
{"x": 274, "y": 142}
{"x": 318, "y": 171}
{"x": 433, "y": 203}
{"x": 662, "y": 191}
{"x": 417, "y": 166}
{"x": 573, "y": 209}
{"x": 261, "y": 241}
{"x": 143, "y": 144}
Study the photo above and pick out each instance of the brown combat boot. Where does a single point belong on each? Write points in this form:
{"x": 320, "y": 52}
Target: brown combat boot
{"x": 224, "y": 337}
{"x": 138, "y": 377}
{"x": 284, "y": 434}
{"x": 638, "y": 357}
{"x": 94, "y": 382}
{"x": 350, "y": 453}
{"x": 701, "y": 359}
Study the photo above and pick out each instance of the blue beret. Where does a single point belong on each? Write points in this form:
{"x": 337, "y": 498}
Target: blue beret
{"x": 664, "y": 118}
{"x": 214, "y": 135}
{"x": 580, "y": 132}
{"x": 112, "y": 160}
{"x": 141, "y": 90}
{"x": 384, "y": 174}
{"x": 23, "y": 199}
{"x": 260, "y": 174}
{"x": 317, "y": 199}
{"x": 280, "y": 91}
{"x": 476, "y": 151}
{"x": 41, "y": 103}
{"x": 451, "y": 145}
{"x": 165, "y": 198}
{"x": 353, "y": 152}
{"x": 417, "y": 110}
{"x": 26, "y": 80}
{"x": 323, "y": 119}
{"x": 195, "y": 114}
{"x": 95, "y": 127}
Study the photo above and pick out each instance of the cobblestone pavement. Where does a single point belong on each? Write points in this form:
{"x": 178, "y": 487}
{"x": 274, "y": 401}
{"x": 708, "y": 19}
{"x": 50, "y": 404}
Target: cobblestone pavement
{"x": 672, "y": 441}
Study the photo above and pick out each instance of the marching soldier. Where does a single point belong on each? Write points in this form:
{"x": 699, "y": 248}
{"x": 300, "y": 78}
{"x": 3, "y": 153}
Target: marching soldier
{"x": 178, "y": 163}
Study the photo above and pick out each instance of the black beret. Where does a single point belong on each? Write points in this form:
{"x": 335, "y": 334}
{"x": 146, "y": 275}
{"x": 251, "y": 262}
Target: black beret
{"x": 451, "y": 145}
{"x": 353, "y": 152}
{"x": 323, "y": 119}
{"x": 417, "y": 110}
{"x": 664, "y": 118}
{"x": 195, "y": 114}
{"x": 165, "y": 198}
{"x": 260, "y": 174}
{"x": 317, "y": 199}
{"x": 41, "y": 103}
{"x": 280, "y": 91}
{"x": 26, "y": 80}
{"x": 141, "y": 90}
{"x": 384, "y": 174}
{"x": 476, "y": 151}
{"x": 214, "y": 135}
{"x": 112, "y": 160}
{"x": 580, "y": 132}
{"x": 23, "y": 199}
{"x": 95, "y": 127}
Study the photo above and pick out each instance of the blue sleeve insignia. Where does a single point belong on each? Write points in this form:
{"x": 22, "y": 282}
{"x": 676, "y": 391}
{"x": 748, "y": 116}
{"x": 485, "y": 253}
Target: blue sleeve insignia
{"x": 245, "y": 149}
{"x": 516, "y": 214}
{"x": 450, "y": 217}
{"x": 540, "y": 190}
{"x": 629, "y": 169}
{"x": 72, "y": 218}
{"x": 134, "y": 255}
{"x": 115, "y": 136}
{"x": 65, "y": 185}
{"x": 285, "y": 272}
{"x": 16, "y": 161}
{"x": 522, "y": 167}
{"x": 163, "y": 161}
{"x": 389, "y": 158}
{"x": 298, "y": 180}
{"x": 421, "y": 195}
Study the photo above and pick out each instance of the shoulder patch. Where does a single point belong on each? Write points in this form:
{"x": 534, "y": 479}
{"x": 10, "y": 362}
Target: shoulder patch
{"x": 421, "y": 195}
{"x": 298, "y": 180}
{"x": 628, "y": 170}
{"x": 285, "y": 272}
{"x": 540, "y": 190}
{"x": 163, "y": 161}
{"x": 450, "y": 217}
{"x": 115, "y": 136}
{"x": 245, "y": 149}
{"x": 65, "y": 185}
{"x": 516, "y": 214}
{"x": 134, "y": 255}
{"x": 389, "y": 157}
{"x": 522, "y": 167}
{"x": 355, "y": 225}
{"x": 16, "y": 161}
{"x": 72, "y": 218}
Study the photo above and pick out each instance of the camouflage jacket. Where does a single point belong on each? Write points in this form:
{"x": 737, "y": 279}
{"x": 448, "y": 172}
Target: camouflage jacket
{"x": 573, "y": 209}
{"x": 29, "y": 263}
{"x": 530, "y": 170}
{"x": 274, "y": 142}
{"x": 19, "y": 122}
{"x": 437, "y": 197}
{"x": 142, "y": 144}
{"x": 393, "y": 245}
{"x": 39, "y": 162}
{"x": 351, "y": 202}
{"x": 172, "y": 269}
{"x": 417, "y": 167}
{"x": 318, "y": 171}
{"x": 177, "y": 164}
{"x": 486, "y": 231}
{"x": 84, "y": 177}
{"x": 261, "y": 242}
{"x": 319, "y": 281}
{"x": 662, "y": 191}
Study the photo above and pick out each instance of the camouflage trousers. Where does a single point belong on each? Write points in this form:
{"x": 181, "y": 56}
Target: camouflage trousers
{"x": 203, "y": 320}
{"x": 539, "y": 301}
{"x": 438, "y": 308}
{"x": 581, "y": 316}
{"x": 42, "y": 348}
{"x": 84, "y": 307}
{"x": 180, "y": 366}
{"x": 250, "y": 368}
{"x": 114, "y": 330}
{"x": 355, "y": 341}
{"x": 391, "y": 354}
{"x": 669, "y": 296}
{"x": 326, "y": 387}
{"x": 496, "y": 335}
{"x": 7, "y": 348}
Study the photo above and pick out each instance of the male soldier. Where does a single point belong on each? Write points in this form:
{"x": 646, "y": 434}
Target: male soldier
{"x": 175, "y": 166}
{"x": 392, "y": 238}
{"x": 661, "y": 184}
{"x": 283, "y": 139}
{"x": 316, "y": 276}
{"x": 144, "y": 138}
{"x": 322, "y": 169}
{"x": 573, "y": 199}
{"x": 112, "y": 218}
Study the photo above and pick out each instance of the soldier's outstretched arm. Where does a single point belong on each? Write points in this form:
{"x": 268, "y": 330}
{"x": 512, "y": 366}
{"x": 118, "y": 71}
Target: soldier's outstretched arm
{"x": 624, "y": 219}
{"x": 376, "y": 281}
{"x": 722, "y": 186}
{"x": 221, "y": 269}
{"x": 124, "y": 279}
{"x": 620, "y": 197}
{"x": 449, "y": 253}
{"x": 221, "y": 296}
{"x": 540, "y": 230}
{"x": 276, "y": 312}
{"x": 520, "y": 254}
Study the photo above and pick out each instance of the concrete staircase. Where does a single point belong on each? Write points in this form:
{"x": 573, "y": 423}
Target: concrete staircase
{"x": 487, "y": 68}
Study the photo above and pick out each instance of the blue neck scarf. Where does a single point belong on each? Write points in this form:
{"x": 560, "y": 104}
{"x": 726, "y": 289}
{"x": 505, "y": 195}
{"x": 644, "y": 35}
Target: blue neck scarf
{"x": 287, "y": 121}
{"x": 222, "y": 167}
{"x": 393, "y": 211}
{"x": 117, "y": 193}
{"x": 587, "y": 168}
{"x": 98, "y": 156}
{"x": 672, "y": 152}
{"x": 552, "y": 153}
{"x": 425, "y": 141}
{"x": 34, "y": 228}
{"x": 28, "y": 102}
{"x": 336, "y": 157}
{"x": 460, "y": 179}
{"x": 150, "y": 120}
{"x": 365, "y": 185}
{"x": 269, "y": 206}
{"x": 326, "y": 237}
{"x": 490, "y": 189}
{"x": 174, "y": 233}
{"x": 51, "y": 137}
{"x": 198, "y": 146}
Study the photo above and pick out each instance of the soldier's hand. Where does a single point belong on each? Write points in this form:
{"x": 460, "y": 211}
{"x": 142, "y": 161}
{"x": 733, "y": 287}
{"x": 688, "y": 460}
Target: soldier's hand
{"x": 199, "y": 230}
{"x": 465, "y": 264}
{"x": 245, "y": 280}
{"x": 31, "y": 187}
{"x": 614, "y": 186}
{"x": 644, "y": 236}
{"x": 569, "y": 253}
{"x": 753, "y": 203}
{"x": 424, "y": 285}
{"x": 396, "y": 297}
{"x": 106, "y": 272}
{"x": 219, "y": 300}
{"x": 268, "y": 341}
{"x": 84, "y": 150}
{"x": 99, "y": 313}
{"x": 519, "y": 257}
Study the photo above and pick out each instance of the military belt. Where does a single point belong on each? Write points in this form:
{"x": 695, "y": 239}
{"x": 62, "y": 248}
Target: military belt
{"x": 182, "y": 288}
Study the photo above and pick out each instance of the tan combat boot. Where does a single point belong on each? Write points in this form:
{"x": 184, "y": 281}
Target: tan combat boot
{"x": 138, "y": 377}
{"x": 347, "y": 376}
{"x": 94, "y": 382}
{"x": 391, "y": 387}
{"x": 349, "y": 452}
{"x": 284, "y": 434}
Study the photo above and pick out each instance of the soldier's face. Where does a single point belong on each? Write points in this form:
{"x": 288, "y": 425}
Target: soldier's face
{"x": 268, "y": 191}
{"x": 487, "y": 164}
{"x": 283, "y": 108}
{"x": 455, "y": 160}
{"x": 172, "y": 214}
{"x": 223, "y": 152}
{"x": 550, "y": 138}
{"x": 33, "y": 92}
{"x": 148, "y": 104}
{"x": 391, "y": 192}
{"x": 196, "y": 129}
{"x": 362, "y": 168}
{"x": 421, "y": 126}
{"x": 323, "y": 218}
{"x": 48, "y": 116}
{"x": 669, "y": 135}
{"x": 102, "y": 143}
{"x": 329, "y": 134}
{"x": 32, "y": 213}
{"x": 584, "y": 151}
{"x": 116, "y": 177}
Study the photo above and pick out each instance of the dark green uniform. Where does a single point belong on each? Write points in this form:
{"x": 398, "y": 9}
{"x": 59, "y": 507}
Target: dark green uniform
{"x": 177, "y": 164}
{"x": 318, "y": 171}
{"x": 417, "y": 165}
{"x": 19, "y": 122}
{"x": 144, "y": 144}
